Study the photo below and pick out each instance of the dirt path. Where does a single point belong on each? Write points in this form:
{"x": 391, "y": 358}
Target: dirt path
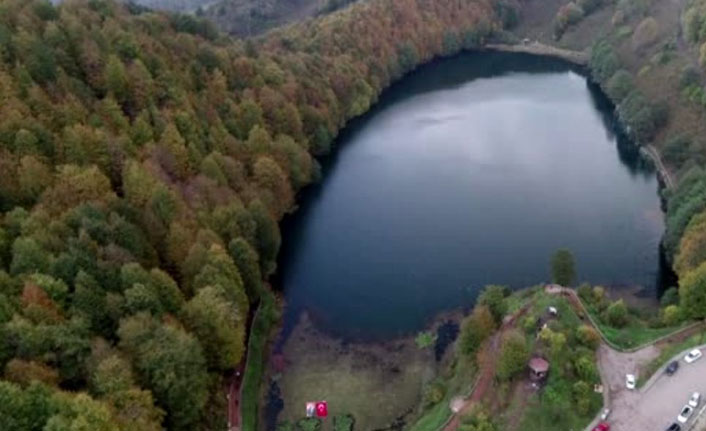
{"x": 539, "y": 48}
{"x": 234, "y": 396}
{"x": 488, "y": 361}
{"x": 666, "y": 175}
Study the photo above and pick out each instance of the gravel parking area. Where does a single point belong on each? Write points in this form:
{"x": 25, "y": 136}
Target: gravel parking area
{"x": 658, "y": 406}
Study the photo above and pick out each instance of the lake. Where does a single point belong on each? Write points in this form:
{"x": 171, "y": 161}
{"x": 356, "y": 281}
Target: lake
{"x": 470, "y": 171}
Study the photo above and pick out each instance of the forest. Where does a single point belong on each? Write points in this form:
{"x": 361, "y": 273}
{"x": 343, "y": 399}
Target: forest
{"x": 146, "y": 161}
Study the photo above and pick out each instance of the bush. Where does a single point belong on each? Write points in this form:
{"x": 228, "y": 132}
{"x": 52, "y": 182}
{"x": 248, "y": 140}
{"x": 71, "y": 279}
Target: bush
{"x": 434, "y": 393}
{"x": 585, "y": 292}
{"x": 669, "y": 297}
{"x": 588, "y": 337}
{"x": 617, "y": 314}
{"x": 309, "y": 424}
{"x": 671, "y": 315}
{"x": 343, "y": 423}
{"x": 477, "y": 421}
{"x": 620, "y": 85}
{"x": 425, "y": 339}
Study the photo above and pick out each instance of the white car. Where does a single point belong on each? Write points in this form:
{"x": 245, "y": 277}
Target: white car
{"x": 695, "y": 399}
{"x": 630, "y": 381}
{"x": 693, "y": 356}
{"x": 685, "y": 414}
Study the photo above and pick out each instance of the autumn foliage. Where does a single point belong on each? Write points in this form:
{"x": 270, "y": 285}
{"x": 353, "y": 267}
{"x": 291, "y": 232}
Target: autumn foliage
{"x": 145, "y": 162}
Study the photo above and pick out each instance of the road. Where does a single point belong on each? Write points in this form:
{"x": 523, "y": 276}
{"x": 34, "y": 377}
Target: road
{"x": 658, "y": 405}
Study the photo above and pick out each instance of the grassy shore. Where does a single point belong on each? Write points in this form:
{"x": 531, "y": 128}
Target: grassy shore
{"x": 260, "y": 332}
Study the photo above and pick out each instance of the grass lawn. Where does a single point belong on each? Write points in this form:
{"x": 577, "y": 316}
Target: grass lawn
{"x": 434, "y": 418}
{"x": 666, "y": 353}
{"x": 636, "y": 333}
{"x": 376, "y": 383}
{"x": 254, "y": 370}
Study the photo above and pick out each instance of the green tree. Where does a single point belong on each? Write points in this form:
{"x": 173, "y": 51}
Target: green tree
{"x": 588, "y": 336}
{"x": 246, "y": 259}
{"x": 477, "y": 421}
{"x": 172, "y": 365}
{"x": 671, "y": 315}
{"x": 692, "y": 293}
{"x": 514, "y": 355}
{"x": 218, "y": 326}
{"x": 476, "y": 328}
{"x": 617, "y": 314}
{"x": 563, "y": 271}
{"x": 493, "y": 297}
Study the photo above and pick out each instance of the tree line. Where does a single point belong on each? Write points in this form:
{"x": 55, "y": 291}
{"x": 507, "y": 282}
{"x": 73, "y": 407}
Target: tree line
{"x": 146, "y": 160}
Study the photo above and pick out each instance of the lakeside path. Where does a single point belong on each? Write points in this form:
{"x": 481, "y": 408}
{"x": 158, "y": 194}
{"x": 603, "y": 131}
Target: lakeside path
{"x": 664, "y": 173}
{"x": 580, "y": 58}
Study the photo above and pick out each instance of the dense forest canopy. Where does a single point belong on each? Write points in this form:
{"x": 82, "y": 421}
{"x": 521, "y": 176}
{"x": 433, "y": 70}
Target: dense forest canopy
{"x": 146, "y": 161}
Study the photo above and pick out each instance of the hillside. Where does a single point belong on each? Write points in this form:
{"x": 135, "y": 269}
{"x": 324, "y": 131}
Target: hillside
{"x": 146, "y": 161}
{"x": 252, "y": 17}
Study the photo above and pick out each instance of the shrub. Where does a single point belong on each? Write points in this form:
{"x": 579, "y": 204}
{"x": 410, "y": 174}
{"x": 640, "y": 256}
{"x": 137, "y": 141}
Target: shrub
{"x": 424, "y": 339}
{"x": 343, "y": 423}
{"x": 671, "y": 315}
{"x": 434, "y": 393}
{"x": 309, "y": 424}
{"x": 585, "y": 292}
{"x": 616, "y": 314}
{"x": 670, "y": 297}
{"x": 588, "y": 337}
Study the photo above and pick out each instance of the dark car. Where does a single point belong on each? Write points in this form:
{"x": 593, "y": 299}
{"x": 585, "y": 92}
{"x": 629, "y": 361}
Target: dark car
{"x": 674, "y": 427}
{"x": 672, "y": 368}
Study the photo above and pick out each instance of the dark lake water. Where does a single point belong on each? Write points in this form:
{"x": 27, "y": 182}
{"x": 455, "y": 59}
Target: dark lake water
{"x": 472, "y": 170}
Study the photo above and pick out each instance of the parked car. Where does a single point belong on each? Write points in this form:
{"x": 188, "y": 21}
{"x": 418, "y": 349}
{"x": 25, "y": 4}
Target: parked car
{"x": 630, "y": 381}
{"x": 603, "y": 426}
{"x": 674, "y": 427}
{"x": 605, "y": 414}
{"x": 695, "y": 399}
{"x": 685, "y": 413}
{"x": 692, "y": 356}
{"x": 672, "y": 368}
